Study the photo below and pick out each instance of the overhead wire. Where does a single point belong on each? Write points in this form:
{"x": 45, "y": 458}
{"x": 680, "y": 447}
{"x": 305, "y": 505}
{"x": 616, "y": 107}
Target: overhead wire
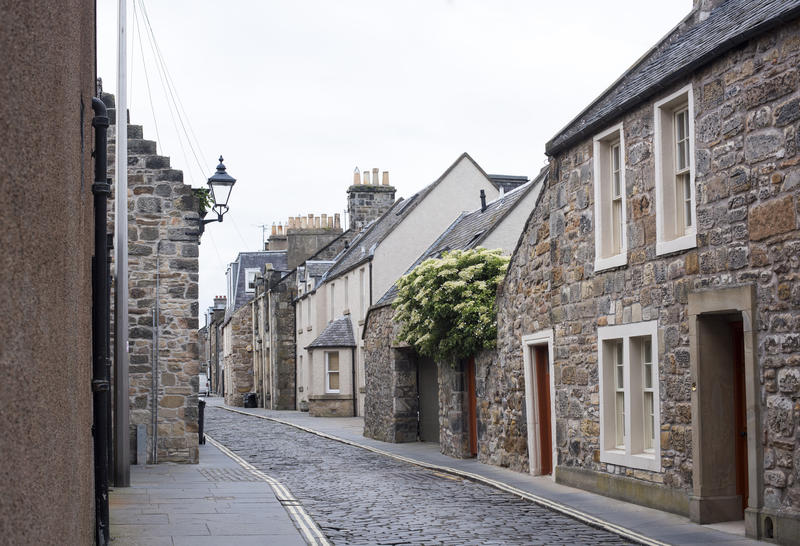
{"x": 147, "y": 78}
{"x": 170, "y": 86}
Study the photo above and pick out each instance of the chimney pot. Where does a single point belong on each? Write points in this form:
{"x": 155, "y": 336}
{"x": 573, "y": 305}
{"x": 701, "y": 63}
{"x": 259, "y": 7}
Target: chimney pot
{"x": 274, "y": 229}
{"x": 337, "y": 221}
{"x": 483, "y": 200}
{"x": 356, "y": 177}
{"x": 375, "y": 172}
{"x": 385, "y": 178}
{"x": 366, "y": 178}
{"x": 324, "y": 220}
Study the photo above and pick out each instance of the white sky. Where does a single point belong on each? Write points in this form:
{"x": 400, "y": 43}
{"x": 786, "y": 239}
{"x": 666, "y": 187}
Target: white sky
{"x": 295, "y": 94}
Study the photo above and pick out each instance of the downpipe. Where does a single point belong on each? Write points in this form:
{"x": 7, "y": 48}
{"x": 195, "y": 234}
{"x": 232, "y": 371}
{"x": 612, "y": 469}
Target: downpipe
{"x": 101, "y": 189}
{"x": 155, "y": 371}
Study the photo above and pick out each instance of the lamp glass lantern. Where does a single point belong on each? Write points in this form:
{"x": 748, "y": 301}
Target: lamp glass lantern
{"x": 221, "y": 184}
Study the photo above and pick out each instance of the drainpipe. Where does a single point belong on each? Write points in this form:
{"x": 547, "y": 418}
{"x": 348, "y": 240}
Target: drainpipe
{"x": 155, "y": 370}
{"x": 353, "y": 368}
{"x": 101, "y": 189}
{"x": 294, "y": 335}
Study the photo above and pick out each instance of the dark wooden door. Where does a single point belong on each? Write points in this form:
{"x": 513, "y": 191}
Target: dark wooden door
{"x": 428, "y": 400}
{"x": 543, "y": 408}
{"x": 740, "y": 412}
{"x": 472, "y": 403}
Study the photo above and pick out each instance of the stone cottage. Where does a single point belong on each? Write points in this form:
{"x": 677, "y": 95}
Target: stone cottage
{"x": 648, "y": 343}
{"x": 333, "y": 376}
{"x": 408, "y": 397}
{"x": 163, "y": 250}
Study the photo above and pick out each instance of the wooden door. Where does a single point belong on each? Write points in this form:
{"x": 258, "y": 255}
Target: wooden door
{"x": 427, "y": 400}
{"x": 543, "y": 409}
{"x": 740, "y": 412}
{"x": 472, "y": 412}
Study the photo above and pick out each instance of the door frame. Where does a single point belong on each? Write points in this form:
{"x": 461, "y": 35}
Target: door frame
{"x": 742, "y": 300}
{"x": 529, "y": 343}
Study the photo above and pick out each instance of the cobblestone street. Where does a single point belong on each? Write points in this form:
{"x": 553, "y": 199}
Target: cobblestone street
{"x": 359, "y": 497}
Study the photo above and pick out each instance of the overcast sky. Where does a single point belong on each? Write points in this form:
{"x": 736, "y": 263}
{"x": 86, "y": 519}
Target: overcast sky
{"x": 296, "y": 94}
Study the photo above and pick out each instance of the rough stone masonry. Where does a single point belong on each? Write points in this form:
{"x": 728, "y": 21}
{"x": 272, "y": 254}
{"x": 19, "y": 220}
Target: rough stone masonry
{"x": 163, "y": 278}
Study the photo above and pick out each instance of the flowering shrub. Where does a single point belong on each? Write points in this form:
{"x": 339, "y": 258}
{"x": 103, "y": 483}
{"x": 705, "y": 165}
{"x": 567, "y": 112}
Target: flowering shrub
{"x": 446, "y": 306}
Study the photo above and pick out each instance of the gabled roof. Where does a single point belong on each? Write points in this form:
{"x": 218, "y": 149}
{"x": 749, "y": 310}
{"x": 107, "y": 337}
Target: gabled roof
{"x": 681, "y": 52}
{"x": 363, "y": 246}
{"x": 338, "y": 333}
{"x": 471, "y": 228}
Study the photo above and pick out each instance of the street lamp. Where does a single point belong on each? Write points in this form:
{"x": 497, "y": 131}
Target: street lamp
{"x": 220, "y": 184}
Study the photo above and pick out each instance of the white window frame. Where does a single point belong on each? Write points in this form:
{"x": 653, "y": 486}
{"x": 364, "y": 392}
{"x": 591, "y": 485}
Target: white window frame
{"x": 529, "y": 341}
{"x": 328, "y": 372}
{"x": 667, "y": 198}
{"x": 633, "y": 454}
{"x": 247, "y": 272}
{"x": 603, "y": 199}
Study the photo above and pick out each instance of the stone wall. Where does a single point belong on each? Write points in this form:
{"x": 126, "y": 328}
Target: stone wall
{"x": 747, "y": 124}
{"x": 46, "y": 233}
{"x": 282, "y": 340}
{"x": 302, "y": 243}
{"x": 163, "y": 255}
{"x": 453, "y": 413}
{"x": 238, "y": 360}
{"x": 215, "y": 347}
{"x": 390, "y": 408}
{"x": 366, "y": 203}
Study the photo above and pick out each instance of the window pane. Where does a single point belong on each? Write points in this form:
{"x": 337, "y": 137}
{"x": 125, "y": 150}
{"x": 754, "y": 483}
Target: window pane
{"x": 649, "y": 424}
{"x": 333, "y": 362}
{"x": 333, "y": 381}
{"x": 620, "y": 432}
{"x": 619, "y": 366}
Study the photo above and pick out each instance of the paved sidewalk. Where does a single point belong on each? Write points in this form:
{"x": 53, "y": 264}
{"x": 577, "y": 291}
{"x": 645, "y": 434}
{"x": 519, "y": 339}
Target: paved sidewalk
{"x": 615, "y": 515}
{"x": 214, "y": 502}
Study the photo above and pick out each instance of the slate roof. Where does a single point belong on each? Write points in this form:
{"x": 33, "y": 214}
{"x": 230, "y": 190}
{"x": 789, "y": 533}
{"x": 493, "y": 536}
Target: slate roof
{"x": 338, "y": 333}
{"x": 248, "y": 260}
{"x": 680, "y": 53}
{"x": 362, "y": 247}
{"x": 471, "y": 228}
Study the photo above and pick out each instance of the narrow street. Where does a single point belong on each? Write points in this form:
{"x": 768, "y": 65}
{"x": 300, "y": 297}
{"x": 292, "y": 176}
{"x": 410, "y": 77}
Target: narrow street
{"x": 359, "y": 497}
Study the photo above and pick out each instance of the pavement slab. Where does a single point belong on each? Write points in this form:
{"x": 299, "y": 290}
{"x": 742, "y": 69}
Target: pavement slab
{"x": 213, "y": 502}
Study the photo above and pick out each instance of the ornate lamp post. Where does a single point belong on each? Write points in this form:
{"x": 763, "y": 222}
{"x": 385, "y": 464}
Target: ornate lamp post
{"x": 220, "y": 185}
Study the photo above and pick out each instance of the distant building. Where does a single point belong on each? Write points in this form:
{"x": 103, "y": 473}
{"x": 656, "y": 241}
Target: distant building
{"x": 331, "y": 308}
{"x": 410, "y": 398}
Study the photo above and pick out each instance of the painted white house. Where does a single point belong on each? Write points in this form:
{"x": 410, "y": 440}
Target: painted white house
{"x": 329, "y": 350}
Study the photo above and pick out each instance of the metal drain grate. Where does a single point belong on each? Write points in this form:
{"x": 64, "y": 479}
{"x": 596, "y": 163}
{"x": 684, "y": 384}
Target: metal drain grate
{"x": 228, "y": 475}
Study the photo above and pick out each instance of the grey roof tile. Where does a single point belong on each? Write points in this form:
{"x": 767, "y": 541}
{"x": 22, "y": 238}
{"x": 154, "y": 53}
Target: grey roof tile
{"x": 678, "y": 54}
{"x": 471, "y": 228}
{"x": 338, "y": 333}
{"x": 250, "y": 260}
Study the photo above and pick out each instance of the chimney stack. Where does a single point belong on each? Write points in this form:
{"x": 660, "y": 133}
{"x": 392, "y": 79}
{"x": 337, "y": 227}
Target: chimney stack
{"x": 220, "y": 302}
